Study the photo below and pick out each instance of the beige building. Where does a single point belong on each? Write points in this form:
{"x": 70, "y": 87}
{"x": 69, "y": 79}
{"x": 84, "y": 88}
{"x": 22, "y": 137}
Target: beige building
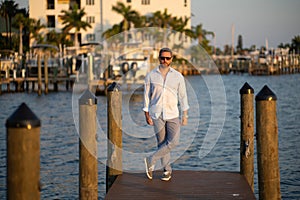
{"x": 100, "y": 14}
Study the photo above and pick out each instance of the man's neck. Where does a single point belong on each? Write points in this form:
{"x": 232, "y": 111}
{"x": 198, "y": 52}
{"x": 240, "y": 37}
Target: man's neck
{"x": 164, "y": 69}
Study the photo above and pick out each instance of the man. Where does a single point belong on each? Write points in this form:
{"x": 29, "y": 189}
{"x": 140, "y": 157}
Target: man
{"x": 164, "y": 87}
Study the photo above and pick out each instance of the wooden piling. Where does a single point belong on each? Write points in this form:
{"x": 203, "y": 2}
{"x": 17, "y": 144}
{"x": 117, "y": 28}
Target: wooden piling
{"x": 46, "y": 73}
{"x": 39, "y": 75}
{"x": 23, "y": 154}
{"x": 247, "y": 134}
{"x": 267, "y": 145}
{"x": 90, "y": 71}
{"x": 7, "y": 77}
{"x": 114, "y": 146}
{"x": 88, "y": 170}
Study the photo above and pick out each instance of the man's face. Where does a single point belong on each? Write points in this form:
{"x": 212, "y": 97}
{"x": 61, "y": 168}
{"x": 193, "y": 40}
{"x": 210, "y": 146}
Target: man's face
{"x": 165, "y": 59}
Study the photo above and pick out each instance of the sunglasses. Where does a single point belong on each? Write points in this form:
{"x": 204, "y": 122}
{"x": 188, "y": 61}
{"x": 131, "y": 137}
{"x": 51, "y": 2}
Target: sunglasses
{"x": 163, "y": 58}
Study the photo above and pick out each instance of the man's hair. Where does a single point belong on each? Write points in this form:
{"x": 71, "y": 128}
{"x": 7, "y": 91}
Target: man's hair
{"x": 165, "y": 49}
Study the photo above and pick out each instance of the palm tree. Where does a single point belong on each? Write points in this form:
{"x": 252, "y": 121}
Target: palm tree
{"x": 129, "y": 16}
{"x": 200, "y": 34}
{"x": 296, "y": 44}
{"x": 35, "y": 27}
{"x": 73, "y": 19}
{"x": 8, "y": 11}
{"x": 4, "y": 14}
{"x": 180, "y": 25}
{"x": 56, "y": 39}
{"x": 162, "y": 20}
{"x": 116, "y": 29}
{"x": 20, "y": 20}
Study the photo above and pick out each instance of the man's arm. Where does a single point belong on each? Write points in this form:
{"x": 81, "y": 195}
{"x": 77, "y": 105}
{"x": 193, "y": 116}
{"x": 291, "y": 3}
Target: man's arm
{"x": 146, "y": 101}
{"x": 183, "y": 102}
{"x": 184, "y": 118}
{"x": 148, "y": 119}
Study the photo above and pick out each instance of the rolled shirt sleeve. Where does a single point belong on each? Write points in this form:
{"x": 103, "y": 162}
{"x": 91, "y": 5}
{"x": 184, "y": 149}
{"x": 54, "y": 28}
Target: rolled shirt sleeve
{"x": 182, "y": 95}
{"x": 146, "y": 93}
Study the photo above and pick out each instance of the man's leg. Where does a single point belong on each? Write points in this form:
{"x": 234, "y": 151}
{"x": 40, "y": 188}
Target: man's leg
{"x": 160, "y": 133}
{"x": 167, "y": 132}
{"x": 172, "y": 139}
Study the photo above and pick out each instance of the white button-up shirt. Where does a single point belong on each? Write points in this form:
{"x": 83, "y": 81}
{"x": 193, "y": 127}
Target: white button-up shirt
{"x": 162, "y": 97}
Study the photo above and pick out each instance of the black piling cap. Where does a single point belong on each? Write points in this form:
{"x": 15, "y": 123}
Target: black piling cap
{"x": 246, "y": 89}
{"x": 114, "y": 87}
{"x": 87, "y": 98}
{"x": 23, "y": 117}
{"x": 266, "y": 95}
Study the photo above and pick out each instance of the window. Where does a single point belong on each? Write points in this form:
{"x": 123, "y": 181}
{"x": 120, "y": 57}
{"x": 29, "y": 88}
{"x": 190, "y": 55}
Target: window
{"x": 51, "y": 21}
{"x": 90, "y": 19}
{"x": 50, "y": 5}
{"x": 145, "y": 2}
{"x": 90, "y": 2}
{"x": 185, "y": 3}
{"x": 128, "y": 1}
{"x": 90, "y": 37}
{"x": 72, "y": 4}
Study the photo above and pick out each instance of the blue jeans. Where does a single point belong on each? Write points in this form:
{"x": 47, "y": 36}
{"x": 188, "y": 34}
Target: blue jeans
{"x": 167, "y": 135}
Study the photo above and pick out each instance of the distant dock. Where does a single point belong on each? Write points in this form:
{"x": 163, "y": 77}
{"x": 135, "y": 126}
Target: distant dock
{"x": 43, "y": 73}
{"x": 288, "y": 64}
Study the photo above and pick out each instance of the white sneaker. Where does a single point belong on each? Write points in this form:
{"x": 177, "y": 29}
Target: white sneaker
{"x": 149, "y": 169}
{"x": 166, "y": 176}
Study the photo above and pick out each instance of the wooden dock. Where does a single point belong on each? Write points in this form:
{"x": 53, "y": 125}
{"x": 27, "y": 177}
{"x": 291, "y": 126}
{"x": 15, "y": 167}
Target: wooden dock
{"x": 183, "y": 185}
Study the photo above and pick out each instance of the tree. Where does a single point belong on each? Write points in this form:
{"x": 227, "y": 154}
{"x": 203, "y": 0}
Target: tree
{"x": 35, "y": 27}
{"x": 295, "y": 46}
{"x": 162, "y": 20}
{"x": 129, "y": 16}
{"x": 159, "y": 19}
{"x": 227, "y": 50}
{"x": 56, "y": 39}
{"x": 200, "y": 33}
{"x": 20, "y": 20}
{"x": 8, "y": 11}
{"x": 4, "y": 14}
{"x": 284, "y": 46}
{"x": 253, "y": 47}
{"x": 73, "y": 19}
{"x": 239, "y": 47}
{"x": 116, "y": 29}
{"x": 180, "y": 26}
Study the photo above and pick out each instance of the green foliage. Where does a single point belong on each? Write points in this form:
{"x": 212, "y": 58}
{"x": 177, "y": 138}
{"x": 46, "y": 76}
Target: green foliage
{"x": 73, "y": 19}
{"x": 239, "y": 47}
{"x": 8, "y": 10}
{"x": 164, "y": 20}
{"x": 295, "y": 45}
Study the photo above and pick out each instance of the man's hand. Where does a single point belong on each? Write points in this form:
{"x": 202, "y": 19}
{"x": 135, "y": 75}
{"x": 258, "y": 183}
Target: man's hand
{"x": 184, "y": 121}
{"x": 184, "y": 118}
{"x": 148, "y": 119}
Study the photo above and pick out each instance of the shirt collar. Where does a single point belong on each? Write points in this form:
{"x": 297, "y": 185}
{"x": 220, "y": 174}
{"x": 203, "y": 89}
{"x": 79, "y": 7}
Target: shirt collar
{"x": 171, "y": 69}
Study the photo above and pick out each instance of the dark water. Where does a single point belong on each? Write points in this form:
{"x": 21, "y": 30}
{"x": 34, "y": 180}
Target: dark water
{"x": 209, "y": 142}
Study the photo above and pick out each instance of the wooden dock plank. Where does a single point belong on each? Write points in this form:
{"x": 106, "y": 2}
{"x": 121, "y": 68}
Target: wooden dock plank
{"x": 183, "y": 185}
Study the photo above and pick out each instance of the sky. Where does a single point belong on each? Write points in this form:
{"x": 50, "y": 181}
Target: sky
{"x": 276, "y": 21}
{"x": 257, "y": 21}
